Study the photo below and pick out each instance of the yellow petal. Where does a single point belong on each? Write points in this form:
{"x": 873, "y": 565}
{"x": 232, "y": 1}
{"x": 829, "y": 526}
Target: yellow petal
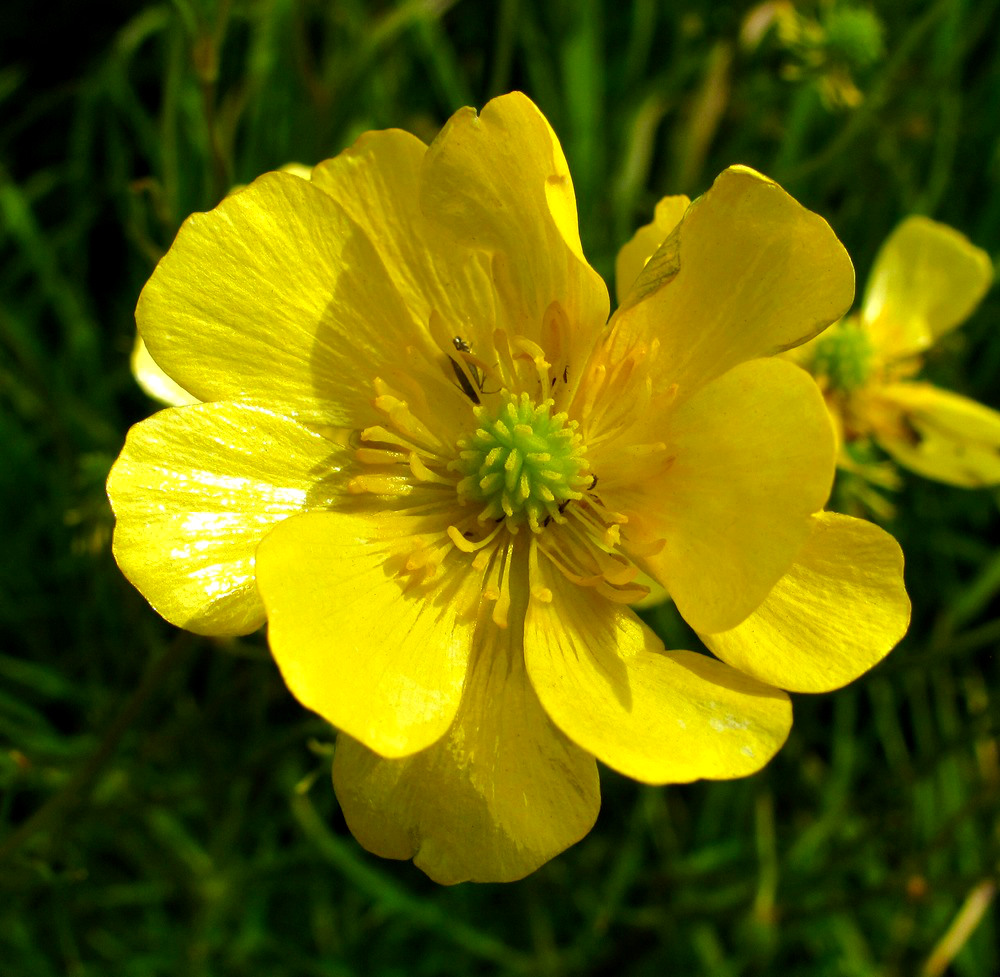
{"x": 377, "y": 183}
{"x": 937, "y": 434}
{"x": 658, "y": 716}
{"x": 748, "y": 272}
{"x": 805, "y": 354}
{"x": 753, "y": 459}
{"x": 499, "y": 183}
{"x": 633, "y": 255}
{"x": 358, "y": 639}
{"x": 154, "y": 381}
{"x": 301, "y": 170}
{"x": 194, "y": 491}
{"x": 500, "y": 794}
{"x": 275, "y": 296}
{"x": 839, "y": 610}
{"x": 926, "y": 280}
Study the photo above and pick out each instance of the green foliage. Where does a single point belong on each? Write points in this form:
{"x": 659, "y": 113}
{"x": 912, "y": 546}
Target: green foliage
{"x": 166, "y": 806}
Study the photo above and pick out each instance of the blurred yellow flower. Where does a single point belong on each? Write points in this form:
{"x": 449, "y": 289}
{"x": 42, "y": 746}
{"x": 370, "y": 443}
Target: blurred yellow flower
{"x": 927, "y": 280}
{"x": 424, "y": 456}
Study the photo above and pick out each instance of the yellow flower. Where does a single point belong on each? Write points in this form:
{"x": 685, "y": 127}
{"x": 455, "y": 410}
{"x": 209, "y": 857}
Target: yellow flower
{"x": 927, "y": 279}
{"x": 425, "y": 457}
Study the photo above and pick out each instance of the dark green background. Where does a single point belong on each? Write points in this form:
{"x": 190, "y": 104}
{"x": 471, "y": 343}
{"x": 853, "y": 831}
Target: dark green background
{"x": 166, "y": 804}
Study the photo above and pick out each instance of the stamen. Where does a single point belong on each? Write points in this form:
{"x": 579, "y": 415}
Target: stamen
{"x": 376, "y": 456}
{"x": 403, "y": 420}
{"x": 595, "y": 381}
{"x": 424, "y": 474}
{"x": 382, "y": 435}
{"x": 539, "y": 592}
{"x": 491, "y": 585}
{"x": 502, "y": 608}
{"x": 377, "y": 484}
{"x": 564, "y": 377}
{"x": 436, "y": 562}
{"x": 505, "y": 358}
{"x": 525, "y": 347}
{"x": 467, "y": 545}
{"x": 404, "y": 385}
{"x": 623, "y": 595}
{"x": 600, "y": 520}
{"x": 521, "y": 463}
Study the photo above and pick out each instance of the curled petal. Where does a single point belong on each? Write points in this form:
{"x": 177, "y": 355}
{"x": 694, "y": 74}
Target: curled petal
{"x": 748, "y": 272}
{"x": 643, "y": 244}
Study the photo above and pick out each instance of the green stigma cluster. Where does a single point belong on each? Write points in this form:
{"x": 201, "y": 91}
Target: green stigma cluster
{"x": 844, "y": 356}
{"x": 522, "y": 463}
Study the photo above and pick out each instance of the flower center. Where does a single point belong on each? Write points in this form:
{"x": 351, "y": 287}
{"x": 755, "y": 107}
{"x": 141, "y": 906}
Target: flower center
{"x": 522, "y": 463}
{"x": 844, "y": 356}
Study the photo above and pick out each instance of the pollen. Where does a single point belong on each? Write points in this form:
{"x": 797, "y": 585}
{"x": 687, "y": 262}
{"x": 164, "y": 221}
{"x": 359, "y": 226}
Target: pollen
{"x": 522, "y": 464}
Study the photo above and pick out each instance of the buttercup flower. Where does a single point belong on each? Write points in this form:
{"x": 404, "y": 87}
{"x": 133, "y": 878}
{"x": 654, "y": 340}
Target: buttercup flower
{"x": 927, "y": 280}
{"x": 422, "y": 453}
